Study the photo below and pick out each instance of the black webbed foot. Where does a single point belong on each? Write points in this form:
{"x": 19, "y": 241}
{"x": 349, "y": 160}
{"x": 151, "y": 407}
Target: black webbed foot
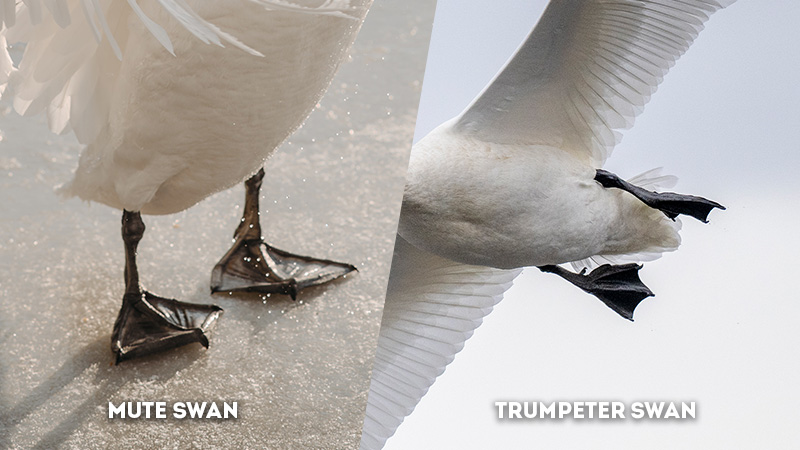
{"x": 619, "y": 287}
{"x": 670, "y": 203}
{"x": 255, "y": 266}
{"x": 148, "y": 324}
{"x": 252, "y": 265}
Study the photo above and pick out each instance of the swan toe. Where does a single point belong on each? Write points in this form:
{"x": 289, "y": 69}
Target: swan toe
{"x": 255, "y": 266}
{"x": 618, "y": 286}
{"x": 149, "y": 324}
{"x": 670, "y": 203}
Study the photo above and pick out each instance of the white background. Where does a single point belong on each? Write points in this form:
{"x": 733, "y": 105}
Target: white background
{"x": 722, "y": 329}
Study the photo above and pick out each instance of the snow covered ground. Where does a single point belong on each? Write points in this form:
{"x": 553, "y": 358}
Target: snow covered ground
{"x": 298, "y": 370}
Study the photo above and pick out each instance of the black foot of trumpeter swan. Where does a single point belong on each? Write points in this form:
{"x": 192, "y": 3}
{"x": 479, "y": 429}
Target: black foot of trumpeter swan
{"x": 252, "y": 265}
{"x": 669, "y": 203}
{"x": 619, "y": 287}
{"x": 147, "y": 323}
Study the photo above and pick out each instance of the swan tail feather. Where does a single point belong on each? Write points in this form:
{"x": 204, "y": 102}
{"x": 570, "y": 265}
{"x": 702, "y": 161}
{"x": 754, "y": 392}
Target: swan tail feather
{"x": 654, "y": 180}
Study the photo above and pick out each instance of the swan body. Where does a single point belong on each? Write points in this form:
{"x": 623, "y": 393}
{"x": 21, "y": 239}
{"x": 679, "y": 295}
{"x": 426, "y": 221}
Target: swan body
{"x": 514, "y": 181}
{"x": 165, "y": 128}
{"x": 510, "y": 205}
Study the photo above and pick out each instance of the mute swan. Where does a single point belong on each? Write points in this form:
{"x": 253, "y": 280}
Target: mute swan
{"x": 514, "y": 181}
{"x": 176, "y": 100}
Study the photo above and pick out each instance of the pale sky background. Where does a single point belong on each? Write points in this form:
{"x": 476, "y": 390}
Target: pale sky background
{"x": 722, "y": 330}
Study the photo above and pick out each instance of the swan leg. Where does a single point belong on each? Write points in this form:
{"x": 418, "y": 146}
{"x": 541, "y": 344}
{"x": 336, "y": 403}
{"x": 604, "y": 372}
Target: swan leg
{"x": 669, "y": 203}
{"x": 252, "y": 265}
{"x": 619, "y": 287}
{"x": 147, "y": 323}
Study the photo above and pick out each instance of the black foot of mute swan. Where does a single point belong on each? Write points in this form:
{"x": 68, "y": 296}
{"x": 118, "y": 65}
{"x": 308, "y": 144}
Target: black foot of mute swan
{"x": 147, "y": 323}
{"x": 252, "y": 265}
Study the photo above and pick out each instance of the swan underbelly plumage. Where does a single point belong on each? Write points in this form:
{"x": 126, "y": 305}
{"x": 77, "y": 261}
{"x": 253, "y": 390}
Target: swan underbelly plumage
{"x": 508, "y": 205}
{"x": 186, "y": 126}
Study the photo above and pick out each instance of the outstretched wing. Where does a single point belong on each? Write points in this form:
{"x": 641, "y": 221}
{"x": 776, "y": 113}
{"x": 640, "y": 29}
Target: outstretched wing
{"x": 584, "y": 73}
{"x": 433, "y": 305}
{"x": 74, "y": 50}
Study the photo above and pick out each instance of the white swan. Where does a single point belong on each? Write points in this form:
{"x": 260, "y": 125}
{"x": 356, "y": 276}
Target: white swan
{"x": 176, "y": 100}
{"x": 513, "y": 181}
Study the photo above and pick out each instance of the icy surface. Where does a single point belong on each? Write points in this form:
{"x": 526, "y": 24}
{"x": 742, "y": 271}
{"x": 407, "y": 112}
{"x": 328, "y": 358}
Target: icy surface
{"x": 299, "y": 370}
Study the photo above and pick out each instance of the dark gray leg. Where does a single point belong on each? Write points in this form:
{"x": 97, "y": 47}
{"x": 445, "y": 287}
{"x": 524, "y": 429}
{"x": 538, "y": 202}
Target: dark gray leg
{"x": 669, "y": 203}
{"x": 147, "y": 323}
{"x": 619, "y": 287}
{"x": 252, "y": 265}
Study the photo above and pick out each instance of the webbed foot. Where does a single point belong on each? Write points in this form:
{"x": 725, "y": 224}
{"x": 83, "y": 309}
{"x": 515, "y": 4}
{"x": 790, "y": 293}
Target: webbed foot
{"x": 619, "y": 287}
{"x": 148, "y": 324}
{"x": 255, "y": 266}
{"x": 252, "y": 265}
{"x": 670, "y": 203}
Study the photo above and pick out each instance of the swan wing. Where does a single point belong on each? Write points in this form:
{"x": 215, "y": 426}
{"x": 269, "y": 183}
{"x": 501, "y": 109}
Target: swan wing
{"x": 433, "y": 305}
{"x": 584, "y": 73}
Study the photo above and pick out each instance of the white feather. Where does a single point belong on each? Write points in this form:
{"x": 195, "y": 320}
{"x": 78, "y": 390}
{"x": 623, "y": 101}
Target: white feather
{"x": 336, "y": 8}
{"x": 511, "y": 183}
{"x": 34, "y": 10}
{"x": 89, "y": 12}
{"x": 8, "y": 12}
{"x": 154, "y": 28}
{"x": 67, "y": 56}
{"x": 88, "y": 79}
{"x": 59, "y": 11}
{"x": 6, "y": 65}
{"x": 578, "y": 93}
{"x": 202, "y": 29}
{"x": 652, "y": 180}
{"x": 433, "y": 305}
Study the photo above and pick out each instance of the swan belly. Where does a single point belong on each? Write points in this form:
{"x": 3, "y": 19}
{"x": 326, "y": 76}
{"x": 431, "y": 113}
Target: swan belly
{"x": 186, "y": 126}
{"x": 512, "y": 206}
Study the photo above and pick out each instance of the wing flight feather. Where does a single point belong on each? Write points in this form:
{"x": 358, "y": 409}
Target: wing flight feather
{"x": 585, "y": 72}
{"x": 433, "y": 306}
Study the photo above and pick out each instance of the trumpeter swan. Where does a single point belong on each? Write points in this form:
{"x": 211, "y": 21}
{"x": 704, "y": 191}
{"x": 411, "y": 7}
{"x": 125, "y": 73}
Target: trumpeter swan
{"x": 515, "y": 181}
